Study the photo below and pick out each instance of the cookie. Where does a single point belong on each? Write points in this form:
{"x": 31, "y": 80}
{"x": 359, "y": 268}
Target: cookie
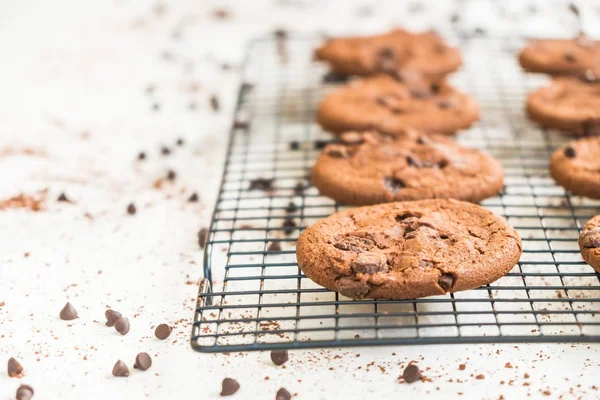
{"x": 589, "y": 243}
{"x": 395, "y": 51}
{"x": 406, "y": 250}
{"x": 568, "y": 104}
{"x": 561, "y": 56}
{"x": 390, "y": 105}
{"x": 370, "y": 168}
{"x": 576, "y": 167}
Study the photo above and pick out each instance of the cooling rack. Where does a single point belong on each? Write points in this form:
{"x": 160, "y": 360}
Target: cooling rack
{"x": 254, "y": 296}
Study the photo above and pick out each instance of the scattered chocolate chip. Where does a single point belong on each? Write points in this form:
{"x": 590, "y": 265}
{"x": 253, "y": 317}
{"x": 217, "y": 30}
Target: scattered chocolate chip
{"x": 332, "y": 77}
{"x": 370, "y": 263}
{"x": 62, "y": 197}
{"x": 246, "y": 86}
{"x": 280, "y": 33}
{"x": 165, "y": 151}
{"x": 180, "y": 142}
{"x": 214, "y": 103}
{"x": 446, "y": 281}
{"x": 288, "y": 226}
{"x": 112, "y": 317}
{"x": 274, "y": 246}
{"x": 462, "y": 367}
{"x": 229, "y": 387}
{"x": 261, "y": 184}
{"x": 291, "y": 208}
{"x": 393, "y": 184}
{"x": 294, "y": 145}
{"x": 24, "y": 392}
{"x": 120, "y": 369}
{"x": 163, "y": 331}
{"x": 171, "y": 175}
{"x": 221, "y": 13}
{"x": 15, "y": 369}
{"x": 435, "y": 88}
{"x": 480, "y": 376}
{"x": 131, "y": 209}
{"x": 570, "y": 57}
{"x": 122, "y": 326}
{"x": 411, "y": 374}
{"x": 283, "y": 394}
{"x": 142, "y": 362}
{"x": 320, "y": 144}
{"x": 193, "y": 198}
{"x": 141, "y": 156}
{"x": 570, "y": 152}
{"x": 68, "y": 313}
{"x": 237, "y": 124}
{"x": 350, "y": 287}
{"x": 279, "y": 357}
{"x": 202, "y": 237}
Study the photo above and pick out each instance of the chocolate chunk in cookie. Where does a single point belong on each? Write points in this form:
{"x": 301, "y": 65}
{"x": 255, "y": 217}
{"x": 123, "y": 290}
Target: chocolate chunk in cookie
{"x": 391, "y": 106}
{"x": 392, "y": 53}
{"x": 568, "y": 104}
{"x": 576, "y": 167}
{"x": 589, "y": 243}
{"x": 406, "y": 250}
{"x": 411, "y": 166}
{"x": 562, "y": 56}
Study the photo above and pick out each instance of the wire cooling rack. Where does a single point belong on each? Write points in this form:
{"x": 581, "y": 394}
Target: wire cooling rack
{"x": 254, "y": 296}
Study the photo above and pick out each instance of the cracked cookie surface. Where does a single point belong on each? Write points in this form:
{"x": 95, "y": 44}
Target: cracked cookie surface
{"x": 392, "y": 52}
{"x": 392, "y": 105}
{"x": 589, "y": 243}
{"x": 370, "y": 168}
{"x": 407, "y": 250}
{"x": 561, "y": 56}
{"x": 576, "y": 167}
{"x": 569, "y": 104}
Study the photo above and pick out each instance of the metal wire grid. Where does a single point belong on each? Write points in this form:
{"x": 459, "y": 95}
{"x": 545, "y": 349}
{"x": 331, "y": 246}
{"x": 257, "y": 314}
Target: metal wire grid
{"x": 260, "y": 299}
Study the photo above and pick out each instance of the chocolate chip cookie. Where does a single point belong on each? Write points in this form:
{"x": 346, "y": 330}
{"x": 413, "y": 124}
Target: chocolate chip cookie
{"x": 569, "y": 104}
{"x": 395, "y": 51}
{"x": 562, "y": 56}
{"x": 371, "y": 168}
{"x": 576, "y": 167}
{"x": 589, "y": 243}
{"x": 391, "y": 105}
{"x": 406, "y": 250}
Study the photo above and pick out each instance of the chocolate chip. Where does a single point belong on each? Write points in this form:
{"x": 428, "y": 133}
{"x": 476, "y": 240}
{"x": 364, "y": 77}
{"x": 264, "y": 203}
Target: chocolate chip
{"x": 570, "y": 57}
{"x": 122, "y": 326}
{"x": 288, "y": 226}
{"x": 193, "y": 198}
{"x": 435, "y": 88}
{"x": 14, "y": 368}
{"x": 446, "y": 281}
{"x": 411, "y": 374}
{"x": 291, "y": 208}
{"x": 336, "y": 151}
{"x": 165, "y": 151}
{"x": 237, "y": 124}
{"x": 163, "y": 331}
{"x": 261, "y": 184}
{"x": 352, "y": 288}
{"x": 141, "y": 156}
{"x": 202, "y": 237}
{"x": 294, "y": 145}
{"x": 570, "y": 152}
{"x": 171, "y": 175}
{"x": 68, "y": 313}
{"x": 180, "y": 142}
{"x": 214, "y": 103}
{"x": 62, "y": 197}
{"x": 274, "y": 246}
{"x": 413, "y": 162}
{"x": 112, "y": 317}
{"x": 229, "y": 387}
{"x": 283, "y": 394}
{"x": 332, "y": 77}
{"x": 120, "y": 369}
{"x": 131, "y": 209}
{"x": 320, "y": 144}
{"x": 24, "y": 392}
{"x": 393, "y": 184}
{"x": 280, "y": 33}
{"x": 279, "y": 357}
{"x": 442, "y": 164}
{"x": 370, "y": 263}
{"x": 142, "y": 362}
{"x": 357, "y": 244}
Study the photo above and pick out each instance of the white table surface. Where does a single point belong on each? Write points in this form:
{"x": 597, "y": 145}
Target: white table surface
{"x": 73, "y": 116}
